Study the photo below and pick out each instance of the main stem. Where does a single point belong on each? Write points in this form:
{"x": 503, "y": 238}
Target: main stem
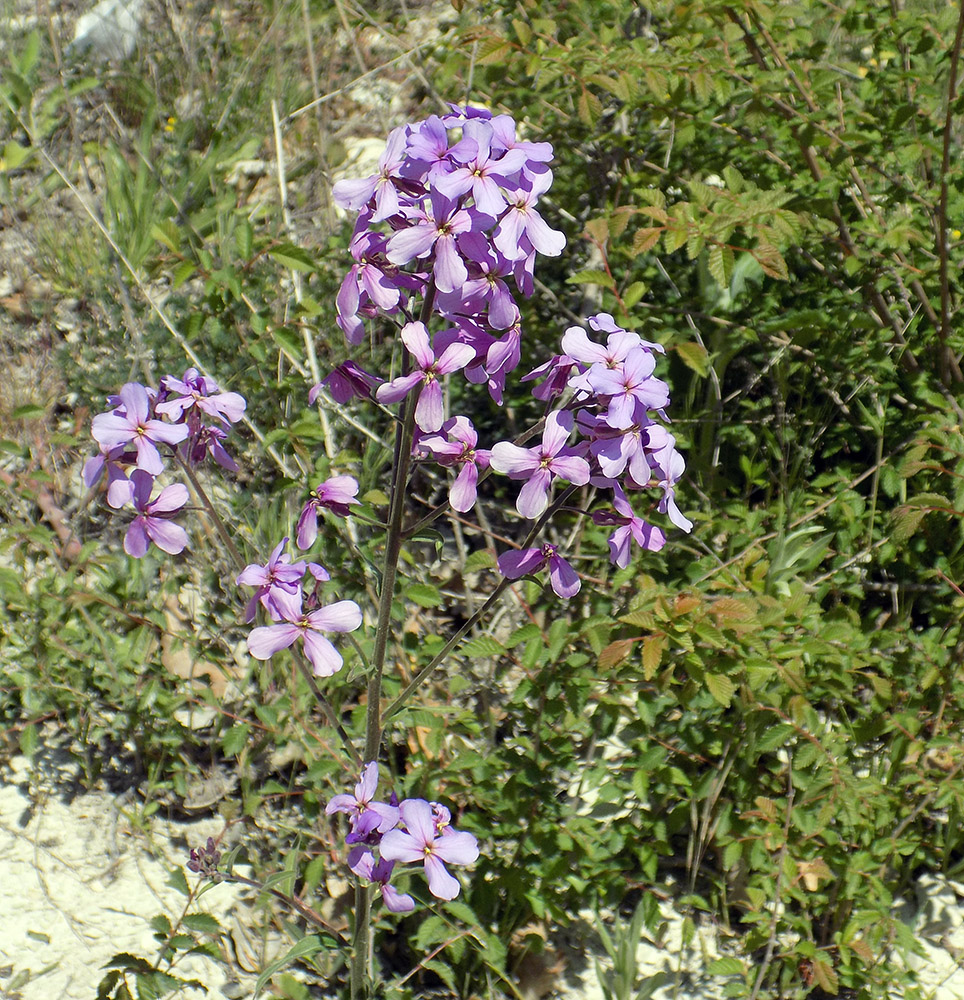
{"x": 405, "y": 431}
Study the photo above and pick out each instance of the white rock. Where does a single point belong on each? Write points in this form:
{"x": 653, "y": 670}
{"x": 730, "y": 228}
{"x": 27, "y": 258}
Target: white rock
{"x": 109, "y": 31}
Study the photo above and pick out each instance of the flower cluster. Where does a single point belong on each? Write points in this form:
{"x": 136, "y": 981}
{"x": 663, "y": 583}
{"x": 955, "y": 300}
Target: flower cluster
{"x": 189, "y": 416}
{"x": 450, "y": 218}
{"x": 609, "y": 396}
{"x": 295, "y": 613}
{"x": 410, "y": 832}
{"x": 279, "y": 588}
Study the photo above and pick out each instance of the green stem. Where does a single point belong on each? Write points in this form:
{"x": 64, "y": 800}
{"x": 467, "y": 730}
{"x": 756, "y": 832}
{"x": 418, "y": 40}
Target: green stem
{"x": 361, "y": 984}
{"x": 420, "y": 677}
{"x": 209, "y": 507}
{"x": 327, "y": 708}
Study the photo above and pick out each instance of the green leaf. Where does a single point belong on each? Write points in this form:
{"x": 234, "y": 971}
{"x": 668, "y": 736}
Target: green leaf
{"x": 203, "y": 922}
{"x": 694, "y": 356}
{"x": 720, "y": 264}
{"x": 176, "y": 880}
{"x": 29, "y": 738}
{"x": 590, "y": 277}
{"x": 721, "y": 687}
{"x": 482, "y": 646}
{"x": 30, "y": 411}
{"x": 15, "y": 155}
{"x": 244, "y": 238}
{"x": 294, "y": 258}
{"x": 305, "y": 947}
{"x": 235, "y": 739}
{"x": 634, "y": 293}
{"x": 424, "y": 595}
{"x": 729, "y": 966}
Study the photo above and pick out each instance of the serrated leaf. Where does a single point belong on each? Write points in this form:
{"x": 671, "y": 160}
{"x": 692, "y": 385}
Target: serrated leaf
{"x": 202, "y": 922}
{"x": 771, "y": 261}
{"x": 494, "y": 51}
{"x": 523, "y": 634}
{"x": 591, "y": 277}
{"x": 634, "y": 293}
{"x": 727, "y": 609}
{"x": 176, "y": 880}
{"x": 615, "y": 653}
{"x": 721, "y": 688}
{"x": 244, "y": 238}
{"x": 653, "y": 646}
{"x": 720, "y": 263}
{"x": 645, "y": 239}
{"x": 182, "y": 273}
{"x": 482, "y": 646}
{"x": 598, "y": 230}
{"x": 728, "y": 966}
{"x": 824, "y": 975}
{"x": 674, "y": 236}
{"x": 480, "y": 559}
{"x": 522, "y": 30}
{"x": 235, "y": 739}
{"x": 775, "y": 736}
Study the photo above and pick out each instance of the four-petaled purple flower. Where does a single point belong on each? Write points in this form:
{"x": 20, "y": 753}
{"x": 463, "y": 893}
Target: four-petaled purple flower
{"x": 460, "y": 452}
{"x": 429, "y": 411}
{"x": 380, "y": 873}
{"x": 130, "y": 423}
{"x": 364, "y": 813}
{"x": 342, "y": 616}
{"x": 277, "y": 583}
{"x": 153, "y": 523}
{"x": 539, "y": 465}
{"x": 421, "y": 841}
{"x": 563, "y": 578}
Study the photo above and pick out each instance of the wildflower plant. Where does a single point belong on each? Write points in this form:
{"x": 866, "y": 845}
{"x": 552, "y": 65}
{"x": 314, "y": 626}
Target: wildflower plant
{"x": 446, "y": 239}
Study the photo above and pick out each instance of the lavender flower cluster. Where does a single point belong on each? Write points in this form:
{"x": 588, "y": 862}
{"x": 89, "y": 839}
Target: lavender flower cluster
{"x": 412, "y": 831}
{"x": 447, "y": 219}
{"x": 198, "y": 416}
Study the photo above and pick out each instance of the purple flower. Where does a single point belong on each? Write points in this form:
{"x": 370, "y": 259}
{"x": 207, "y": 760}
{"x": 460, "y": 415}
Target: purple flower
{"x": 347, "y": 381}
{"x": 435, "y": 228}
{"x": 130, "y": 422}
{"x": 522, "y": 228}
{"x": 539, "y": 465}
{"x": 278, "y": 584}
{"x": 365, "y": 866}
{"x": 355, "y": 194}
{"x": 669, "y": 463}
{"x": 366, "y": 816}
{"x": 152, "y": 523}
{"x": 630, "y": 529}
{"x": 198, "y": 391}
{"x": 460, "y": 452}
{"x": 482, "y": 172}
{"x": 429, "y": 411}
{"x": 430, "y": 157}
{"x": 421, "y": 841}
{"x": 563, "y": 578}
{"x": 631, "y": 388}
{"x": 367, "y": 281}
{"x": 342, "y": 616}
{"x": 337, "y": 494}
